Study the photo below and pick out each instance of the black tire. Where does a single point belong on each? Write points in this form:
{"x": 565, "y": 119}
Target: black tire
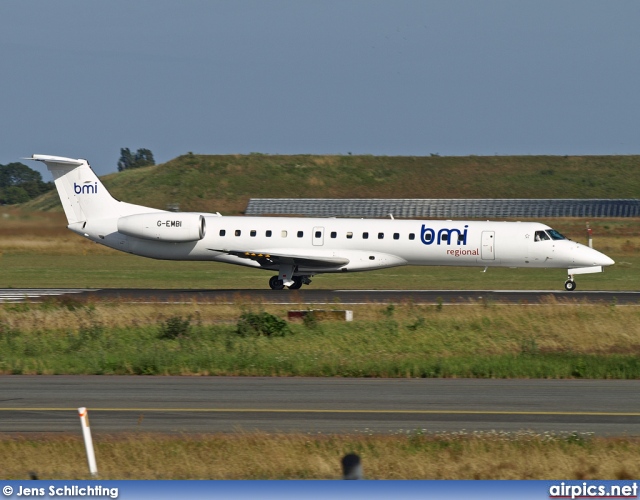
{"x": 275, "y": 283}
{"x": 297, "y": 283}
{"x": 569, "y": 285}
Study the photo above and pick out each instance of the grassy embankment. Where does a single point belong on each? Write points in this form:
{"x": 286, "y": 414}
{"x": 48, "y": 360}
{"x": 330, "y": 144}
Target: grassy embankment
{"x": 225, "y": 183}
{"x": 489, "y": 455}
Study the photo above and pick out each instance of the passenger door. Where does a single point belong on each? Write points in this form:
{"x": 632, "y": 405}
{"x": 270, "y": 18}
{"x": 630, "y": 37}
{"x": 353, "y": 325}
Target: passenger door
{"x": 488, "y": 248}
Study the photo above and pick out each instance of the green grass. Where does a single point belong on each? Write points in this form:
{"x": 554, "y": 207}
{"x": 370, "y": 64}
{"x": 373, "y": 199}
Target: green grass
{"x": 126, "y": 271}
{"x": 481, "y": 341}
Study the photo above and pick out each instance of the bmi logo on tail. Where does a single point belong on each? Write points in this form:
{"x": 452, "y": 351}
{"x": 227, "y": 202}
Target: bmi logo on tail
{"x": 86, "y": 189}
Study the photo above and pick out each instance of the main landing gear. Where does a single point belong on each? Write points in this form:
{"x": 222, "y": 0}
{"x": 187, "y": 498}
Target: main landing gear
{"x": 570, "y": 285}
{"x": 277, "y": 284}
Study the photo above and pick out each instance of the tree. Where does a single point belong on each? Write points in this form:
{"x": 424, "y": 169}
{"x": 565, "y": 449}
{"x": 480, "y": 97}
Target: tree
{"x": 19, "y": 183}
{"x": 126, "y": 159}
{"x": 14, "y": 194}
{"x": 142, "y": 158}
{"x": 17, "y": 173}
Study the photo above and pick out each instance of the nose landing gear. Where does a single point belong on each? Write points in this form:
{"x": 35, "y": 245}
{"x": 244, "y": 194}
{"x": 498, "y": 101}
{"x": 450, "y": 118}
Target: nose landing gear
{"x": 570, "y": 285}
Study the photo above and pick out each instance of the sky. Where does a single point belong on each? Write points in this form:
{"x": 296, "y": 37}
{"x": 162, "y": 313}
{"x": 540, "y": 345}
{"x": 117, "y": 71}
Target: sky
{"x": 83, "y": 78}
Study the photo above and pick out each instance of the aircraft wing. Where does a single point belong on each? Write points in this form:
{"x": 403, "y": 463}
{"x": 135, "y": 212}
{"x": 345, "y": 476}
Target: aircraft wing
{"x": 270, "y": 258}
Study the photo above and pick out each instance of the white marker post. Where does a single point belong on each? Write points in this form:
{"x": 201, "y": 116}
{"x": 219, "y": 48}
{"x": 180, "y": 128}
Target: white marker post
{"x": 88, "y": 442}
{"x": 589, "y": 236}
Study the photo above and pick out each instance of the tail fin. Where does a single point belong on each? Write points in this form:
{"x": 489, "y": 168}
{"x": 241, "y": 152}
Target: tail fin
{"x": 82, "y": 194}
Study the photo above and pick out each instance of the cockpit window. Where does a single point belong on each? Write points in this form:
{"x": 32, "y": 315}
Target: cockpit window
{"x": 541, "y": 236}
{"x": 555, "y": 235}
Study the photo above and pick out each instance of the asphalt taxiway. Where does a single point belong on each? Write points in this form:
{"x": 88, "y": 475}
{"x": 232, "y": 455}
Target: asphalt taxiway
{"x": 33, "y": 404}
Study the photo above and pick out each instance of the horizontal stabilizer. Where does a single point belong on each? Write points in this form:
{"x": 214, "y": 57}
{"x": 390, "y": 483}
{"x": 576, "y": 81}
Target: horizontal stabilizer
{"x": 56, "y": 159}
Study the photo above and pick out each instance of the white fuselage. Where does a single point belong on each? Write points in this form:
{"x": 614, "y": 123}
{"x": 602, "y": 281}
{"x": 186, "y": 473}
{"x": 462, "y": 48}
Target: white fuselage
{"x": 366, "y": 243}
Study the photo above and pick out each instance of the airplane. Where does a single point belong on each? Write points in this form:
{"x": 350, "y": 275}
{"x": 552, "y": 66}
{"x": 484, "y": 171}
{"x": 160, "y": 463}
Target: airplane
{"x": 297, "y": 248}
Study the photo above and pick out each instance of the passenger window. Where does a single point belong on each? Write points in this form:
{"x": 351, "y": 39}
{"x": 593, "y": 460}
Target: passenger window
{"x": 283, "y": 233}
{"x": 396, "y": 236}
{"x": 380, "y": 236}
{"x": 334, "y": 234}
{"x": 365, "y": 236}
{"x": 253, "y": 232}
{"x": 318, "y": 234}
{"x": 222, "y": 232}
{"x": 541, "y": 236}
{"x": 300, "y": 234}
{"x": 238, "y": 232}
{"x": 268, "y": 233}
{"x": 349, "y": 235}
{"x": 412, "y": 236}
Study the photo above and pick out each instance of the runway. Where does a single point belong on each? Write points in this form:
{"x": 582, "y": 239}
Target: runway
{"x": 32, "y": 404}
{"x": 311, "y": 296}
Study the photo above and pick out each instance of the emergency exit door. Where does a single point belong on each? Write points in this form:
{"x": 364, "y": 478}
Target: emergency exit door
{"x": 318, "y": 236}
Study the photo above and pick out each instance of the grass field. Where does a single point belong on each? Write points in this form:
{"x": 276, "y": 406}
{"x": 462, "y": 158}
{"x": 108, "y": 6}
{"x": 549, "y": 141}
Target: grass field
{"x": 490, "y": 455}
{"x": 64, "y": 336}
{"x": 126, "y": 271}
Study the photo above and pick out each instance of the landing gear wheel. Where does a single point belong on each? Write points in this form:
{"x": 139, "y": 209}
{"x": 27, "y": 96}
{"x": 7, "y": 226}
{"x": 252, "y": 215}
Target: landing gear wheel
{"x": 275, "y": 283}
{"x": 297, "y": 283}
{"x": 569, "y": 285}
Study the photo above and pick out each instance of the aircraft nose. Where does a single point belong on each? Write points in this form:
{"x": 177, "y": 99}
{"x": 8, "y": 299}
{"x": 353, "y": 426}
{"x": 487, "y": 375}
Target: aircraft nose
{"x": 599, "y": 259}
{"x": 605, "y": 261}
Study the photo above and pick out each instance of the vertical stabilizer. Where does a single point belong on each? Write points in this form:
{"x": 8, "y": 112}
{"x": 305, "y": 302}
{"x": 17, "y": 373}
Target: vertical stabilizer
{"x": 82, "y": 194}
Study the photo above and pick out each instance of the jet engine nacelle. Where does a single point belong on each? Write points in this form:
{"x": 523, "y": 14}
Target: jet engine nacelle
{"x": 164, "y": 226}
